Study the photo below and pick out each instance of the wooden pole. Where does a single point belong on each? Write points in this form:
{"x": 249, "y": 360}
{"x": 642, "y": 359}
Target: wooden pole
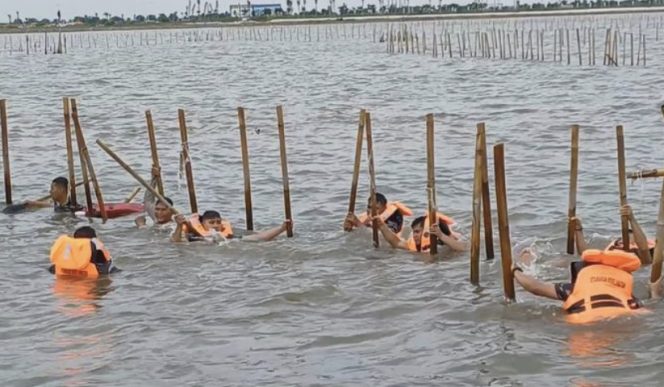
{"x": 624, "y": 220}
{"x": 245, "y": 169}
{"x": 184, "y": 137}
{"x": 132, "y": 195}
{"x": 431, "y": 184}
{"x": 645, "y": 174}
{"x": 658, "y": 256}
{"x": 153, "y": 150}
{"x": 284, "y": 168}
{"x": 372, "y": 178}
{"x": 358, "y": 161}
{"x": 477, "y": 210}
{"x": 83, "y": 150}
{"x": 70, "y": 152}
{"x": 5, "y": 152}
{"x": 573, "y": 176}
{"x": 486, "y": 197}
{"x": 503, "y": 221}
{"x": 84, "y": 167}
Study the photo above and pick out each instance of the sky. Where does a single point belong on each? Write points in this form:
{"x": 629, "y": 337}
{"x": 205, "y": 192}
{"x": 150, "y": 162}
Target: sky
{"x": 48, "y": 8}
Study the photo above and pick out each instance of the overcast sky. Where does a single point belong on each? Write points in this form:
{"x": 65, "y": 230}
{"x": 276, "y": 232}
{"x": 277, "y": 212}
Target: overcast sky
{"x": 70, "y": 8}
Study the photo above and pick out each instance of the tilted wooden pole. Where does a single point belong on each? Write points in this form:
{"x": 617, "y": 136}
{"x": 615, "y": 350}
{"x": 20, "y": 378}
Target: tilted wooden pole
{"x": 83, "y": 149}
{"x": 573, "y": 176}
{"x": 5, "y": 152}
{"x": 84, "y": 165}
{"x": 184, "y": 137}
{"x": 284, "y": 169}
{"x": 645, "y": 173}
{"x": 153, "y": 150}
{"x": 358, "y": 161}
{"x": 486, "y": 197}
{"x": 658, "y": 256}
{"x": 431, "y": 184}
{"x": 503, "y": 221}
{"x": 245, "y": 169}
{"x": 372, "y": 178}
{"x": 70, "y": 152}
{"x": 477, "y": 213}
{"x": 624, "y": 220}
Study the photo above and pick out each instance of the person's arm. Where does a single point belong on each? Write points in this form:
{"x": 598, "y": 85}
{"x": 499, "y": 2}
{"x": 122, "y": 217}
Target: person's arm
{"x": 579, "y": 238}
{"x": 449, "y": 241}
{"x": 268, "y": 235}
{"x": 533, "y": 285}
{"x": 33, "y": 204}
{"x": 391, "y": 238}
{"x": 351, "y": 222}
{"x": 177, "y": 234}
{"x": 639, "y": 236}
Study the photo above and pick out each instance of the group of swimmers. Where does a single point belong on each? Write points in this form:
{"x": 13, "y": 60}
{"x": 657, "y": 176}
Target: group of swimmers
{"x": 601, "y": 283}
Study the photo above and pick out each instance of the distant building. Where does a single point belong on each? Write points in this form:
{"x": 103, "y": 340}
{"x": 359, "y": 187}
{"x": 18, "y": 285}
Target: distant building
{"x": 245, "y": 10}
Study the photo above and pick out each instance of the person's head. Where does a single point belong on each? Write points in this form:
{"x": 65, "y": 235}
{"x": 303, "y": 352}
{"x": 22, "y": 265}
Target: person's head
{"x": 85, "y": 232}
{"x": 162, "y": 212}
{"x": 59, "y": 189}
{"x": 418, "y": 230}
{"x": 381, "y": 203}
{"x": 211, "y": 220}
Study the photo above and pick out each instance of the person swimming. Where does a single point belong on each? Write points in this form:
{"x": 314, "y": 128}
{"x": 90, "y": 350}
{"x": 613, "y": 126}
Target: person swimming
{"x": 82, "y": 255}
{"x": 211, "y": 227}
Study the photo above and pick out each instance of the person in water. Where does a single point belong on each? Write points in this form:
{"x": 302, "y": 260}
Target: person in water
{"x": 639, "y": 243}
{"x": 392, "y": 214}
{"x": 420, "y": 230}
{"x": 59, "y": 197}
{"x": 82, "y": 255}
{"x": 211, "y": 227}
{"x": 160, "y": 213}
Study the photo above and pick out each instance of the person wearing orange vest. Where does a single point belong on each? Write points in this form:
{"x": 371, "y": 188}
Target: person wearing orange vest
{"x": 600, "y": 288}
{"x": 82, "y": 255}
{"x": 640, "y": 245}
{"x": 419, "y": 238}
{"x": 211, "y": 227}
{"x": 392, "y": 214}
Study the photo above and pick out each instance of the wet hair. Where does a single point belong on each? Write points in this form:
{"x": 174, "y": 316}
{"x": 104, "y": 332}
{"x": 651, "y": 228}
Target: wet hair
{"x": 85, "y": 232}
{"x": 207, "y": 215}
{"x": 61, "y": 182}
{"x": 380, "y": 199}
{"x": 419, "y": 222}
{"x": 168, "y": 200}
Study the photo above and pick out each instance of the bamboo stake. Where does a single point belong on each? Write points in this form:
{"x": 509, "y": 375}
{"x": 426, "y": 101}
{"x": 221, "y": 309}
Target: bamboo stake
{"x": 503, "y": 221}
{"x": 284, "y": 169}
{"x": 356, "y": 165}
{"x": 573, "y": 176}
{"x": 372, "y": 178}
{"x": 84, "y": 167}
{"x": 645, "y": 173}
{"x": 477, "y": 210}
{"x": 486, "y": 198}
{"x": 153, "y": 150}
{"x": 431, "y": 183}
{"x": 70, "y": 152}
{"x": 245, "y": 169}
{"x": 624, "y": 220}
{"x": 5, "y": 152}
{"x": 658, "y": 256}
{"x": 132, "y": 195}
{"x": 184, "y": 137}
{"x": 83, "y": 150}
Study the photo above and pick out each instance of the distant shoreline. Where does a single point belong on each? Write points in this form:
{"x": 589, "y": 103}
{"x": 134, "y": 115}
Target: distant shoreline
{"x": 11, "y": 29}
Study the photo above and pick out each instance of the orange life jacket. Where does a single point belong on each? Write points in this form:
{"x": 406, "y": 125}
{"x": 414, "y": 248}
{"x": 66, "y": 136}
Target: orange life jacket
{"x": 195, "y": 221}
{"x": 73, "y": 256}
{"x": 425, "y": 242}
{"x": 390, "y": 209}
{"x": 603, "y": 289}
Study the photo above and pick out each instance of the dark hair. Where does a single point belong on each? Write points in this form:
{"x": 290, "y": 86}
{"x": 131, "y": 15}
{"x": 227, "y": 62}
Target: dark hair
{"x": 61, "y": 182}
{"x": 419, "y": 222}
{"x": 210, "y": 215}
{"x": 380, "y": 199}
{"x": 85, "y": 232}
{"x": 168, "y": 200}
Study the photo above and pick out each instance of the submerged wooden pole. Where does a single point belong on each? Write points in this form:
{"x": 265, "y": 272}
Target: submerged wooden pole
{"x": 70, "y": 152}
{"x": 184, "y": 137}
{"x": 372, "y": 178}
{"x": 356, "y": 165}
{"x": 573, "y": 176}
{"x": 153, "y": 150}
{"x": 431, "y": 184}
{"x": 503, "y": 221}
{"x": 486, "y": 197}
{"x": 624, "y": 220}
{"x": 284, "y": 169}
{"x": 5, "y": 152}
{"x": 245, "y": 169}
{"x": 477, "y": 211}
